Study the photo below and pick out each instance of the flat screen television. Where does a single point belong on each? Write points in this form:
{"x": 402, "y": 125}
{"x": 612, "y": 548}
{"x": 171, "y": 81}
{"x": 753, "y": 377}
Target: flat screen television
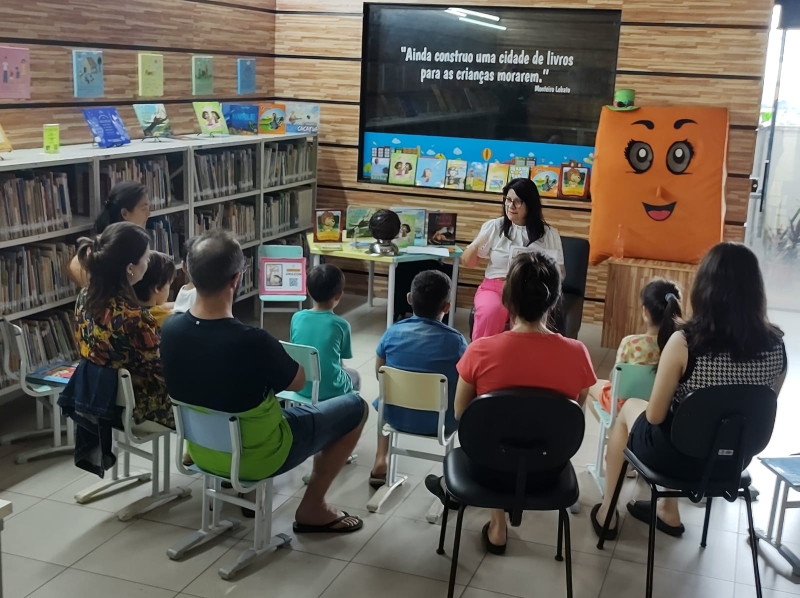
{"x": 475, "y": 82}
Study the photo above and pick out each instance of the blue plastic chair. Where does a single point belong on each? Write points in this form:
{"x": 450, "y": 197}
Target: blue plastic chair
{"x": 308, "y": 358}
{"x": 279, "y": 251}
{"x": 221, "y": 432}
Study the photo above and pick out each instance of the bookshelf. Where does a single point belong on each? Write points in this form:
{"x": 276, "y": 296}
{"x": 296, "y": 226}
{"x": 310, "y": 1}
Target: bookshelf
{"x": 262, "y": 187}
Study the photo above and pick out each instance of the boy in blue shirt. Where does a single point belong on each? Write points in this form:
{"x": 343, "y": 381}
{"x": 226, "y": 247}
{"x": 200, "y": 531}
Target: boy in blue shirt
{"x": 328, "y": 333}
{"x": 422, "y": 344}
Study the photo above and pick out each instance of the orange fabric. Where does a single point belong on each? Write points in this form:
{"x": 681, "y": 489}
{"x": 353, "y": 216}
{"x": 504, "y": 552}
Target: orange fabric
{"x": 660, "y": 173}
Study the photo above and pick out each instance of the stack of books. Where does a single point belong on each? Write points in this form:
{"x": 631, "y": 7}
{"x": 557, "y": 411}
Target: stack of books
{"x": 286, "y": 163}
{"x": 288, "y": 210}
{"x": 34, "y": 205}
{"x": 239, "y": 218}
{"x": 247, "y": 283}
{"x": 164, "y": 235}
{"x": 13, "y": 361}
{"x": 153, "y": 173}
{"x": 35, "y": 275}
{"x": 224, "y": 173}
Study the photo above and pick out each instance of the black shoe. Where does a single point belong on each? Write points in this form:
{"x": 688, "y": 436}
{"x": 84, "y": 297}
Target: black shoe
{"x": 640, "y": 510}
{"x": 434, "y": 485}
{"x": 249, "y": 513}
{"x": 493, "y": 548}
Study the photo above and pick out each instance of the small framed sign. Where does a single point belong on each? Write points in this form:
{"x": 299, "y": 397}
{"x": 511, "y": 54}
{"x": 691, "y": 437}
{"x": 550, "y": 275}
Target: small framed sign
{"x": 282, "y": 276}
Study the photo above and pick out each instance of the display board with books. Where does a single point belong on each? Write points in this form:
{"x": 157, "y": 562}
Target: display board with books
{"x": 418, "y": 227}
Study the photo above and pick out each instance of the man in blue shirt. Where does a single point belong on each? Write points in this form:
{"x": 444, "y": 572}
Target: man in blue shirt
{"x": 422, "y": 344}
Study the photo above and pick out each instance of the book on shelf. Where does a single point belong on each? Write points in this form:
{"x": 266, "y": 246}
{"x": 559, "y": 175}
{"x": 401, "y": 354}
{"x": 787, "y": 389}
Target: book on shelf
{"x": 87, "y": 73}
{"x": 151, "y": 75}
{"x": 51, "y": 138}
{"x": 153, "y": 120}
{"x": 6, "y": 378}
{"x": 34, "y": 205}
{"x": 5, "y": 144}
{"x": 286, "y": 163}
{"x": 328, "y": 226}
{"x": 442, "y": 228}
{"x": 402, "y": 167}
{"x": 35, "y": 275}
{"x": 210, "y": 118}
{"x": 57, "y": 373}
{"x": 272, "y": 119}
{"x": 246, "y": 75}
{"x": 153, "y": 172}
{"x": 357, "y": 222}
{"x": 247, "y": 283}
{"x": 202, "y": 75}
{"x": 497, "y": 177}
{"x": 16, "y": 80}
{"x": 162, "y": 237}
{"x": 456, "y": 174}
{"x": 546, "y": 178}
{"x": 222, "y": 173}
{"x": 287, "y": 210}
{"x": 106, "y": 126}
{"x": 242, "y": 119}
{"x": 476, "y": 177}
{"x": 238, "y": 218}
{"x": 379, "y": 165}
{"x": 416, "y": 220}
{"x": 51, "y": 343}
{"x": 302, "y": 118}
{"x": 518, "y": 171}
{"x": 431, "y": 172}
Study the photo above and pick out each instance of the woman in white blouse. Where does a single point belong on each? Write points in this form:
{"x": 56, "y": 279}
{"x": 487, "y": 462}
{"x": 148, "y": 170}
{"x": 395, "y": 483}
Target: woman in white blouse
{"x": 521, "y": 228}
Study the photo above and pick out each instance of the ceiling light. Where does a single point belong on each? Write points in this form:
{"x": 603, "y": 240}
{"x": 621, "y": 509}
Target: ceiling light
{"x": 483, "y": 24}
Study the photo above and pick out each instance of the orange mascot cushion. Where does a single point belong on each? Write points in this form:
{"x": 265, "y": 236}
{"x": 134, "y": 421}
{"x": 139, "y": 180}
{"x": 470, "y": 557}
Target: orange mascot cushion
{"x": 660, "y": 173}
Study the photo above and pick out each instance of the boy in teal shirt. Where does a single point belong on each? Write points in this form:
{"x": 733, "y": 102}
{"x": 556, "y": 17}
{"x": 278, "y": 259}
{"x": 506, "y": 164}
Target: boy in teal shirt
{"x": 328, "y": 333}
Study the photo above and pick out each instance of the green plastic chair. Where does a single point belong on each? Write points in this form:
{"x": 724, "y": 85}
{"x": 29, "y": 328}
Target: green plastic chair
{"x": 308, "y": 357}
{"x": 279, "y": 251}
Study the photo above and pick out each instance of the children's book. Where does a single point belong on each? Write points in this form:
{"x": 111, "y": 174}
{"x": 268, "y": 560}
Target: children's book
{"x": 456, "y": 174}
{"x": 418, "y": 223}
{"x": 431, "y": 172}
{"x": 51, "y": 136}
{"x": 402, "y": 168}
{"x": 242, "y": 119}
{"x": 151, "y": 75}
{"x": 476, "y": 177}
{"x": 408, "y": 222}
{"x": 107, "y": 127}
{"x": 15, "y": 76}
{"x": 574, "y": 181}
{"x": 202, "y": 75}
{"x": 5, "y": 144}
{"x": 379, "y": 165}
{"x": 246, "y": 71}
{"x": 328, "y": 226}
{"x": 87, "y": 71}
{"x": 209, "y": 116}
{"x": 153, "y": 119}
{"x": 497, "y": 177}
{"x": 357, "y": 223}
{"x": 442, "y": 228}
{"x": 272, "y": 119}
{"x": 518, "y": 171}
{"x": 58, "y": 373}
{"x": 546, "y": 179}
{"x": 302, "y": 118}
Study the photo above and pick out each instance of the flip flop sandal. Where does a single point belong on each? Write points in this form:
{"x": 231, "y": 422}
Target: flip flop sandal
{"x": 434, "y": 485}
{"x": 640, "y": 510}
{"x": 376, "y": 481}
{"x": 493, "y": 548}
{"x": 611, "y": 534}
{"x": 329, "y": 528}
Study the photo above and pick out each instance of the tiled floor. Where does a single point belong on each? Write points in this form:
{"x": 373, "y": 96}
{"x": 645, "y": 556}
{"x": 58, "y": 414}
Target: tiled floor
{"x": 55, "y": 548}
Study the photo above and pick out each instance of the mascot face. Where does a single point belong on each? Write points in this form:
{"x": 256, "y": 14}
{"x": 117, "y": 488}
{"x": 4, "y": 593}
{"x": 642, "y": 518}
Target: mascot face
{"x": 660, "y": 174}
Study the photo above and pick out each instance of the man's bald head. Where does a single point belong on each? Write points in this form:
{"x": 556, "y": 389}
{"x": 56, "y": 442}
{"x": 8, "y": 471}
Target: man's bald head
{"x": 213, "y": 260}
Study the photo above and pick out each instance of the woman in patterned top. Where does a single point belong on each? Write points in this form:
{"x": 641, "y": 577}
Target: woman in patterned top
{"x": 728, "y": 340}
{"x": 114, "y": 330}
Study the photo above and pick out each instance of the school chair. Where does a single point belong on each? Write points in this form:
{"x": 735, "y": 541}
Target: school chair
{"x": 421, "y": 392}
{"x": 627, "y": 381}
{"x": 127, "y": 442}
{"x": 46, "y": 396}
{"x": 218, "y": 431}
{"x": 308, "y": 358}
{"x": 279, "y": 251}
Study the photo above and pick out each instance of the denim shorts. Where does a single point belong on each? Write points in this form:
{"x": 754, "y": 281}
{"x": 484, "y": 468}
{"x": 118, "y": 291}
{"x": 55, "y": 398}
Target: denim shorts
{"x": 315, "y": 428}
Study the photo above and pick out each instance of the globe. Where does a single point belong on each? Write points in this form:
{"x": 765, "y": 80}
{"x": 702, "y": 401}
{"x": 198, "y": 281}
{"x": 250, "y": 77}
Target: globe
{"x": 384, "y": 225}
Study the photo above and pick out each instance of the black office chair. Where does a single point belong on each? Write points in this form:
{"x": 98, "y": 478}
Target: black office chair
{"x": 567, "y": 316}
{"x": 726, "y": 426}
{"x": 514, "y": 435}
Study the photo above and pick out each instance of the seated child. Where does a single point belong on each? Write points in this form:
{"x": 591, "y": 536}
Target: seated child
{"x": 661, "y": 305}
{"x": 185, "y": 298}
{"x": 423, "y": 344}
{"x": 152, "y": 290}
{"x": 328, "y": 333}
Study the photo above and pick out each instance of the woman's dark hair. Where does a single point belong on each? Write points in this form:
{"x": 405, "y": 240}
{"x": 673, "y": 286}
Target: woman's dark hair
{"x": 534, "y": 223}
{"x": 729, "y": 306}
{"x": 160, "y": 271}
{"x": 125, "y": 195}
{"x": 533, "y": 286}
{"x": 662, "y": 300}
{"x": 106, "y": 259}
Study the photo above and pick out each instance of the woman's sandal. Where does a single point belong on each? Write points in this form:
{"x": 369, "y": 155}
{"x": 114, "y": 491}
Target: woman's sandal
{"x": 330, "y": 528}
{"x": 493, "y": 548}
{"x": 434, "y": 485}
{"x": 640, "y": 509}
{"x": 611, "y": 533}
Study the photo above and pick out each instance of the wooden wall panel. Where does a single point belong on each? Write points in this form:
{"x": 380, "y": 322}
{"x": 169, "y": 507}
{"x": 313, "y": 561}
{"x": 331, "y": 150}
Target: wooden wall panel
{"x": 336, "y": 36}
{"x": 339, "y": 124}
{"x": 741, "y": 147}
{"x": 259, "y": 4}
{"x": 332, "y": 80}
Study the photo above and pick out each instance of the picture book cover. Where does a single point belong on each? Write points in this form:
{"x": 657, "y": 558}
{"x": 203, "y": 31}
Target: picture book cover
{"x": 282, "y": 276}
{"x": 402, "y": 168}
{"x": 16, "y": 75}
{"x": 546, "y": 179}
{"x": 476, "y": 177}
{"x": 242, "y": 119}
{"x": 202, "y": 75}
{"x": 417, "y": 225}
{"x": 153, "y": 119}
{"x": 442, "y": 228}
{"x": 151, "y": 75}
{"x": 379, "y": 167}
{"x": 272, "y": 119}
{"x": 408, "y": 222}
{"x": 5, "y": 144}
{"x": 357, "y": 222}
{"x": 574, "y": 181}
{"x": 497, "y": 177}
{"x": 302, "y": 118}
{"x": 87, "y": 71}
{"x": 456, "y": 174}
{"x": 107, "y": 127}
{"x": 209, "y": 116}
{"x": 431, "y": 172}
{"x": 51, "y": 135}
{"x": 518, "y": 171}
{"x": 246, "y": 71}
{"x": 58, "y": 373}
{"x": 328, "y": 226}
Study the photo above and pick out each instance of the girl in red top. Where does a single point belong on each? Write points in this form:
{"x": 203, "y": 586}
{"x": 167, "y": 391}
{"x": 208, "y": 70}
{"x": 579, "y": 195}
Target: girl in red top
{"x": 528, "y": 355}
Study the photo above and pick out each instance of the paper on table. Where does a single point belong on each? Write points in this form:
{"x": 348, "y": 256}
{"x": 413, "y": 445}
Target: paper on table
{"x": 438, "y": 251}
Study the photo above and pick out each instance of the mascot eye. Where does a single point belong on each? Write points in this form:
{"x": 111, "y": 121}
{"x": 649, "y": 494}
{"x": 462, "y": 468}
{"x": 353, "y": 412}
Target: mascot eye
{"x": 639, "y": 155}
{"x": 679, "y": 156}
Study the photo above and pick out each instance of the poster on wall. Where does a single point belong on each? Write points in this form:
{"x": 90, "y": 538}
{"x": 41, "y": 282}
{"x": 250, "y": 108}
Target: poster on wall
{"x": 87, "y": 73}
{"x": 15, "y": 81}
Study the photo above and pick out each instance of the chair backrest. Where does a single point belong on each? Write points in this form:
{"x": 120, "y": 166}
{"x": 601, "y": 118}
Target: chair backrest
{"x": 290, "y": 251}
{"x": 308, "y": 358}
{"x": 630, "y": 381}
{"x": 412, "y": 390}
{"x": 726, "y": 426}
{"x": 576, "y": 263}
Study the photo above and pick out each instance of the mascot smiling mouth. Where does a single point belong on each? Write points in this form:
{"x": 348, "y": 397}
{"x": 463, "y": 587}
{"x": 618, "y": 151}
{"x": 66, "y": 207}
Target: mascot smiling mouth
{"x": 659, "y": 213}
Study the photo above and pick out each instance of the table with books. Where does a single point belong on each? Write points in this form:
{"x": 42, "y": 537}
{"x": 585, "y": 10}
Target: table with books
{"x": 346, "y": 250}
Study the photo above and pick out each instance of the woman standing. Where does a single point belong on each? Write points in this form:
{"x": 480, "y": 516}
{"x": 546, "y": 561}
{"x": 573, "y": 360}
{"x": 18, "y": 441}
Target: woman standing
{"x": 521, "y": 226}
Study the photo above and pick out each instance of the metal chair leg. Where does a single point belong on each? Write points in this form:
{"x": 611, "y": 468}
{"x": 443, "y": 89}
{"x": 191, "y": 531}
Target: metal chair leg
{"x": 456, "y": 545}
{"x": 613, "y": 506}
{"x": 559, "y": 557}
{"x": 568, "y": 550}
{"x": 443, "y": 532}
{"x": 651, "y": 541}
{"x": 753, "y": 542}
{"x": 705, "y": 522}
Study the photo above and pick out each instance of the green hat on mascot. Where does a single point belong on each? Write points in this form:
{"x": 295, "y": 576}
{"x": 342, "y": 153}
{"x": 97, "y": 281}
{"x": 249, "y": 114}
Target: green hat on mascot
{"x": 624, "y": 100}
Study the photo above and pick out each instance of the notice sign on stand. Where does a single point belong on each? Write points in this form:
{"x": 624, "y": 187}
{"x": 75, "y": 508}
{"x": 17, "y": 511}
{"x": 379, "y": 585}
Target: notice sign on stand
{"x": 282, "y": 276}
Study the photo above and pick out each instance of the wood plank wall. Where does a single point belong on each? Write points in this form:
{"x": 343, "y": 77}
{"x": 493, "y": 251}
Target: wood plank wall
{"x": 708, "y": 52}
{"x": 121, "y": 29}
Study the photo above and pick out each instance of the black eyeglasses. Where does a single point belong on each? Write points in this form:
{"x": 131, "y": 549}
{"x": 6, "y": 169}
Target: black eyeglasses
{"x": 517, "y": 203}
